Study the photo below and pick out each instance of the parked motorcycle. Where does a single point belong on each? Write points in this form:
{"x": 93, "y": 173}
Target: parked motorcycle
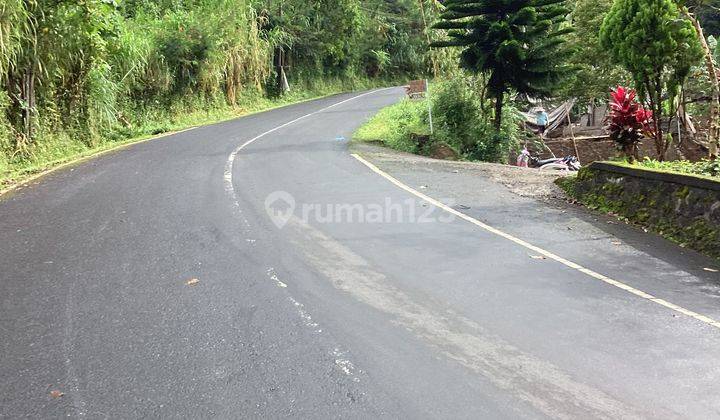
{"x": 568, "y": 163}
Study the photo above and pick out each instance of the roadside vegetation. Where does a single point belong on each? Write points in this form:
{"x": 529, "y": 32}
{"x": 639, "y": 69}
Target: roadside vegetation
{"x": 397, "y": 126}
{"x": 462, "y": 129}
{"x": 705, "y": 167}
{"x": 652, "y": 64}
{"x": 78, "y": 76}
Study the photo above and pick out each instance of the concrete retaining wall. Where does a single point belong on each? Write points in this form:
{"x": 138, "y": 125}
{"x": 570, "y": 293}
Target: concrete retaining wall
{"x": 684, "y": 208}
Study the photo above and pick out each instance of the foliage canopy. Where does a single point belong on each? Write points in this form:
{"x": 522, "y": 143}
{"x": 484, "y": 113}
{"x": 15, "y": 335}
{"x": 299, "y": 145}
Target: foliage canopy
{"x": 82, "y": 72}
{"x": 518, "y": 44}
{"x": 657, "y": 47}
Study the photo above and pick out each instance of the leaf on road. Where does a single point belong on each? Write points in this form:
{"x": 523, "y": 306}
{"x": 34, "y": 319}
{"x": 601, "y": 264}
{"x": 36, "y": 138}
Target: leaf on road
{"x": 712, "y": 270}
{"x": 616, "y": 243}
{"x": 538, "y": 257}
{"x": 192, "y": 282}
{"x": 56, "y": 394}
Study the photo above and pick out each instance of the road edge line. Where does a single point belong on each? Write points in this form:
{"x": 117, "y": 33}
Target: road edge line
{"x": 616, "y": 283}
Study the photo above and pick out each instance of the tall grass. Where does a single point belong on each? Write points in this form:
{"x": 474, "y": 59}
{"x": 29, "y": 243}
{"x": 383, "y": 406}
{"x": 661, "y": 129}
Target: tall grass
{"x": 78, "y": 75}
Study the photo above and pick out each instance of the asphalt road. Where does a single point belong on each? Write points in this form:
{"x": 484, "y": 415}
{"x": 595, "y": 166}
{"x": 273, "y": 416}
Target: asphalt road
{"x": 365, "y": 301}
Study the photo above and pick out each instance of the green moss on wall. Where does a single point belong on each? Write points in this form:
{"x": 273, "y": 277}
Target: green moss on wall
{"x": 678, "y": 212}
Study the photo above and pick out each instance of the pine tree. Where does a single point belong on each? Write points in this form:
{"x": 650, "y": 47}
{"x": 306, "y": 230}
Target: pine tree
{"x": 518, "y": 44}
{"x": 651, "y": 40}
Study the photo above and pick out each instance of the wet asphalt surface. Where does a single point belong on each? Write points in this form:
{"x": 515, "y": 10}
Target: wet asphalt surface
{"x": 366, "y": 302}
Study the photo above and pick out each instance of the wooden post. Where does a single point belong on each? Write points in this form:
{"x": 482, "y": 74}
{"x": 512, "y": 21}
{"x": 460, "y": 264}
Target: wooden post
{"x": 27, "y": 94}
{"x": 427, "y": 99}
{"x": 572, "y": 134}
{"x": 282, "y": 82}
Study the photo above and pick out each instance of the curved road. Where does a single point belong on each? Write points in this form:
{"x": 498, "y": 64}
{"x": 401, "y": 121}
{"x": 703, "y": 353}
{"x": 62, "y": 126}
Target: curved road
{"x": 351, "y": 297}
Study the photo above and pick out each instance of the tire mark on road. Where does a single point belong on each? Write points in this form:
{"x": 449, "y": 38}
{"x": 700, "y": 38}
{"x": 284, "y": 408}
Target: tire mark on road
{"x": 539, "y": 383}
{"x": 620, "y": 285}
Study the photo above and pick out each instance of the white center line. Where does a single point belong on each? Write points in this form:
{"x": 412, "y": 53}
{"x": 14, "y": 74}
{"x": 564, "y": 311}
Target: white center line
{"x": 228, "y": 175}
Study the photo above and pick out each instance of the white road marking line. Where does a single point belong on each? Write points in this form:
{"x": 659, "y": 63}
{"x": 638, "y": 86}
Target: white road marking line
{"x": 342, "y": 362}
{"x": 637, "y": 292}
{"x": 305, "y": 315}
{"x": 229, "y": 188}
{"x": 273, "y": 276}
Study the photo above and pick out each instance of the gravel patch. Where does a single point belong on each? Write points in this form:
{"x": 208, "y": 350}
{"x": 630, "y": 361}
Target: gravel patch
{"x": 525, "y": 182}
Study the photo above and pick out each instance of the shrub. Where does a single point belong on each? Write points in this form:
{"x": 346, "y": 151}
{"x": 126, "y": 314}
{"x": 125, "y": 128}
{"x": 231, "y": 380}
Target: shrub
{"x": 704, "y": 167}
{"x": 397, "y": 125}
{"x": 461, "y": 123}
{"x": 628, "y": 121}
{"x": 456, "y": 114}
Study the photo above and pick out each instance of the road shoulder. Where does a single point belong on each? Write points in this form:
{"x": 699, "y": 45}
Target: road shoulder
{"x": 527, "y": 204}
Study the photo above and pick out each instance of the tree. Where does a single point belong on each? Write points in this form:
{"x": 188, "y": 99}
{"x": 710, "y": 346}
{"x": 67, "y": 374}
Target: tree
{"x": 518, "y": 44}
{"x": 73, "y": 73}
{"x": 689, "y": 10}
{"x": 658, "y": 47}
{"x": 708, "y": 13}
{"x": 595, "y": 71}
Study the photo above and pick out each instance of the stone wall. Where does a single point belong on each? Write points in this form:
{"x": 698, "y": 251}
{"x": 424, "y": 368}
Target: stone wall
{"x": 683, "y": 208}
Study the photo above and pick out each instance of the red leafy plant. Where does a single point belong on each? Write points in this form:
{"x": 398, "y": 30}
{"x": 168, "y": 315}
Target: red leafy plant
{"x": 628, "y": 122}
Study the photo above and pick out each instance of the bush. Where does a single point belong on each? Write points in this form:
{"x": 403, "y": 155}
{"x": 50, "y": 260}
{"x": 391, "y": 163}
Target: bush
{"x": 704, "y": 167}
{"x": 494, "y": 147}
{"x": 461, "y": 123}
{"x": 397, "y": 126}
{"x": 628, "y": 121}
{"x": 457, "y": 116}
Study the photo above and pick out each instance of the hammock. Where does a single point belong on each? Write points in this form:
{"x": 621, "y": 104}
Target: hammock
{"x": 556, "y": 117}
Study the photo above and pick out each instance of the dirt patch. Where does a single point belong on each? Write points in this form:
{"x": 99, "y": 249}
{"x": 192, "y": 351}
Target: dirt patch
{"x": 444, "y": 152}
{"x": 525, "y": 182}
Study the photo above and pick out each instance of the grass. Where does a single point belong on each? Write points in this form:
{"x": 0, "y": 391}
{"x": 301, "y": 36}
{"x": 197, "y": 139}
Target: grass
{"x": 461, "y": 129}
{"x": 703, "y": 168}
{"x": 56, "y": 149}
{"x": 394, "y": 126}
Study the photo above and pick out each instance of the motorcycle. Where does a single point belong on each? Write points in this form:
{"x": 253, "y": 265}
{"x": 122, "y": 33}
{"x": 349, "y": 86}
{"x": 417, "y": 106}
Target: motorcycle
{"x": 568, "y": 163}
